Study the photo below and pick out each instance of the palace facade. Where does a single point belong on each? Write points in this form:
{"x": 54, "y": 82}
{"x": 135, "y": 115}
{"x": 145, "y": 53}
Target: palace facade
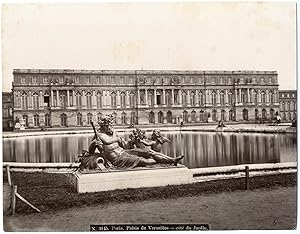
{"x": 69, "y": 98}
{"x": 288, "y": 105}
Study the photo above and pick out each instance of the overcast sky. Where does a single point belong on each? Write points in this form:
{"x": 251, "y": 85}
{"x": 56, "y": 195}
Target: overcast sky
{"x": 180, "y": 36}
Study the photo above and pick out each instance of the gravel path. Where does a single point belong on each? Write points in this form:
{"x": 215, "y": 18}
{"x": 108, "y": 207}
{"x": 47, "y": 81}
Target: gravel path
{"x": 257, "y": 209}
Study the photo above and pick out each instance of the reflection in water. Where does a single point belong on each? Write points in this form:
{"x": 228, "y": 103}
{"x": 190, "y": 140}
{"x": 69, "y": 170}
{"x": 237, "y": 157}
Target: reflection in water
{"x": 200, "y": 149}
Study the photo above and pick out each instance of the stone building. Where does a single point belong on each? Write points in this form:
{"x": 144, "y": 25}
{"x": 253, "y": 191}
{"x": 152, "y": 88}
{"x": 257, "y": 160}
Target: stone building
{"x": 68, "y": 98}
{"x": 288, "y": 105}
{"x": 7, "y": 111}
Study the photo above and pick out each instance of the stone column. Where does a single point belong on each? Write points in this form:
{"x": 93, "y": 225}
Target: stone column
{"x": 164, "y": 97}
{"x": 155, "y": 98}
{"x": 68, "y": 98}
{"x": 118, "y": 99}
{"x": 236, "y": 96}
{"x": 240, "y": 96}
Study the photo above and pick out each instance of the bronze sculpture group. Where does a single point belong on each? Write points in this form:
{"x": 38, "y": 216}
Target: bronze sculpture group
{"x": 115, "y": 152}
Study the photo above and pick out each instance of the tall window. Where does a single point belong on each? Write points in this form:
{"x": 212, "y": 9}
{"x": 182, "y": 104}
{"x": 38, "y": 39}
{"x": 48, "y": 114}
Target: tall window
{"x": 230, "y": 98}
{"x": 150, "y": 98}
{"x": 99, "y": 116}
{"x": 271, "y": 97}
{"x": 244, "y": 97}
{"x": 201, "y": 99}
{"x": 169, "y": 117}
{"x": 264, "y": 114}
{"x": 223, "y": 115}
{"x": 123, "y": 118}
{"x": 132, "y": 99}
{"x": 231, "y": 117}
{"x": 263, "y": 97}
{"x": 256, "y": 114}
{"x": 214, "y": 115}
{"x": 113, "y": 98}
{"x": 36, "y": 120}
{"x": 78, "y": 100}
{"x": 272, "y": 116}
{"x": 24, "y": 100}
{"x": 25, "y": 117}
{"x": 175, "y": 97}
{"x": 185, "y": 116}
{"x": 99, "y": 100}
{"x": 193, "y": 116}
{"x": 245, "y": 114}
{"x": 255, "y": 97}
{"x": 192, "y": 99}
{"x": 79, "y": 119}
{"x": 123, "y": 98}
{"x": 89, "y": 100}
{"x": 63, "y": 98}
{"x": 89, "y": 118}
{"x": 184, "y": 98}
{"x": 132, "y": 117}
{"x": 222, "y": 101}
{"x": 151, "y": 117}
{"x": 47, "y": 120}
{"x": 35, "y": 101}
{"x": 202, "y": 116}
{"x": 63, "y": 120}
{"x": 214, "y": 99}
{"x": 160, "y": 117}
{"x": 168, "y": 97}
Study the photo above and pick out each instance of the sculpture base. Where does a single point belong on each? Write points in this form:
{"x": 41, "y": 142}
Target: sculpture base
{"x": 85, "y": 182}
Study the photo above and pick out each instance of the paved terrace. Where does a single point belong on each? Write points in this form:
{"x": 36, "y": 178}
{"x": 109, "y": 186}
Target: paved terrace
{"x": 258, "y": 128}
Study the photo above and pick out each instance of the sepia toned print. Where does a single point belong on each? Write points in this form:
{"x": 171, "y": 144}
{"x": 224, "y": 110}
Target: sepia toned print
{"x": 116, "y": 120}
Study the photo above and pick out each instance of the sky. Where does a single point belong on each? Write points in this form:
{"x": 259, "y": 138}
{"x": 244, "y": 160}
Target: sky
{"x": 167, "y": 36}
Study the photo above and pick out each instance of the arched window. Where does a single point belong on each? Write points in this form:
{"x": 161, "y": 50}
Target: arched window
{"x": 123, "y": 118}
{"x": 264, "y": 114}
{"x": 79, "y": 119}
{"x": 192, "y": 98}
{"x": 272, "y": 116}
{"x": 99, "y": 99}
{"x": 223, "y": 115}
{"x": 202, "y": 116}
{"x": 214, "y": 98}
{"x": 36, "y": 120}
{"x": 123, "y": 98}
{"x": 245, "y": 114}
{"x": 168, "y": 98}
{"x": 193, "y": 116}
{"x": 47, "y": 120}
{"x": 160, "y": 117}
{"x": 99, "y": 116}
{"x": 169, "y": 117}
{"x": 132, "y": 117}
{"x": 35, "y": 101}
{"x": 201, "y": 99}
{"x": 151, "y": 117}
{"x": 24, "y": 101}
{"x": 185, "y": 116}
{"x": 231, "y": 117}
{"x": 63, "y": 120}
{"x": 78, "y": 99}
{"x": 244, "y": 97}
{"x": 113, "y": 98}
{"x": 89, "y": 100}
{"x": 230, "y": 98}
{"x": 255, "y": 97}
{"x": 263, "y": 97}
{"x": 214, "y": 115}
{"x": 25, "y": 117}
{"x": 222, "y": 100}
{"x": 150, "y": 98}
{"x": 184, "y": 98}
{"x": 89, "y": 118}
{"x": 132, "y": 99}
{"x": 271, "y": 97}
{"x": 256, "y": 114}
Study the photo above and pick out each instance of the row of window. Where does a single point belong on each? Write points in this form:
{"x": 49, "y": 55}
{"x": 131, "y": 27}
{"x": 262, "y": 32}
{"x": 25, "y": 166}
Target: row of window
{"x": 203, "y": 117}
{"x": 288, "y": 106}
{"x": 151, "y": 100}
{"x": 104, "y": 79}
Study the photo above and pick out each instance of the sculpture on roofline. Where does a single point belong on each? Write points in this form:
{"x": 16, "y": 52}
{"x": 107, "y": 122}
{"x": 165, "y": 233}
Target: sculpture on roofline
{"x": 115, "y": 152}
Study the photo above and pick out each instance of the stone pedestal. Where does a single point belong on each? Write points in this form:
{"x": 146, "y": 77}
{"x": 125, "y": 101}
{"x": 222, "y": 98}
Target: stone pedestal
{"x": 136, "y": 178}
